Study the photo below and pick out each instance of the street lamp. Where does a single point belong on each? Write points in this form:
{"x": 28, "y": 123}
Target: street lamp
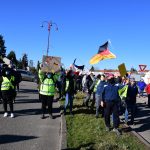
{"x": 50, "y": 24}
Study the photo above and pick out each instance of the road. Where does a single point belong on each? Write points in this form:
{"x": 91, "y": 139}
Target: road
{"x": 27, "y": 131}
{"x": 142, "y": 119}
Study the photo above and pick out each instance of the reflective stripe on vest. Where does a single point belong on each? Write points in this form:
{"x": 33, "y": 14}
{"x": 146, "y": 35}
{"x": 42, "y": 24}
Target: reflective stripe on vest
{"x": 47, "y": 87}
{"x": 41, "y": 75}
{"x": 6, "y": 84}
{"x": 97, "y": 83}
{"x": 123, "y": 92}
{"x": 67, "y": 85}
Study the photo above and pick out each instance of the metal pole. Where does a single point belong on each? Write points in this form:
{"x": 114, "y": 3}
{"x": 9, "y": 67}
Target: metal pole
{"x": 49, "y": 28}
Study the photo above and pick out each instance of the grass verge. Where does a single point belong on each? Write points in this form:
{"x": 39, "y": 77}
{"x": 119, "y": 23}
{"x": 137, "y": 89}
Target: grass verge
{"x": 85, "y": 132}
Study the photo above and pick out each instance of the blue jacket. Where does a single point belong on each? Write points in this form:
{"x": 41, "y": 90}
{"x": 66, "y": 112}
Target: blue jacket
{"x": 110, "y": 93}
{"x": 141, "y": 85}
{"x": 100, "y": 88}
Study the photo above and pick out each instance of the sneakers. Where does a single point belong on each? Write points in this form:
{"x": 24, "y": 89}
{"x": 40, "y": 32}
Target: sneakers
{"x": 12, "y": 115}
{"x": 42, "y": 117}
{"x": 5, "y": 114}
{"x": 116, "y": 131}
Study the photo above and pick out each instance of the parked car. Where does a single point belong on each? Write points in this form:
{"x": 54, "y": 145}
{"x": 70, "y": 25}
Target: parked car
{"x": 27, "y": 75}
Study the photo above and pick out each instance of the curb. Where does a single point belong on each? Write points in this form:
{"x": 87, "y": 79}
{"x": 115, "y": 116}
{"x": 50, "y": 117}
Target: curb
{"x": 63, "y": 136}
{"x": 63, "y": 132}
{"x": 144, "y": 141}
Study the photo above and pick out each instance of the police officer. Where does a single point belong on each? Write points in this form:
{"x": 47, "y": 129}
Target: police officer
{"x": 47, "y": 91}
{"x": 7, "y": 89}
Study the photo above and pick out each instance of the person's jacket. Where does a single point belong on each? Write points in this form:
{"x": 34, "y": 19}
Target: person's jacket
{"x": 147, "y": 88}
{"x": 131, "y": 94}
{"x": 100, "y": 88}
{"x": 70, "y": 85}
{"x": 47, "y": 87}
{"x": 110, "y": 93}
{"x": 6, "y": 84}
{"x": 141, "y": 85}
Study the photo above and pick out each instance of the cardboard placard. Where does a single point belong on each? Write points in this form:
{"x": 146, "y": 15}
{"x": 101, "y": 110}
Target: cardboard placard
{"x": 122, "y": 69}
{"x": 51, "y": 64}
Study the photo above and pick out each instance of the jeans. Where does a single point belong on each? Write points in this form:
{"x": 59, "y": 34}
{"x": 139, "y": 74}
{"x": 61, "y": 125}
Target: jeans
{"x": 69, "y": 99}
{"x": 98, "y": 101}
{"x": 86, "y": 100}
{"x": 132, "y": 108}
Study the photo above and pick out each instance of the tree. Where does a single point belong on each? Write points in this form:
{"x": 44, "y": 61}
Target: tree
{"x": 133, "y": 70}
{"x": 12, "y": 56}
{"x": 19, "y": 64}
{"x": 2, "y": 47}
{"x": 38, "y": 65}
{"x": 25, "y": 61}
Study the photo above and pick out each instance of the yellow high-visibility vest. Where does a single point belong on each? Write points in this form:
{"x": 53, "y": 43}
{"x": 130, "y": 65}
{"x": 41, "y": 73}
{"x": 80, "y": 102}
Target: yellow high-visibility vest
{"x": 47, "y": 87}
{"x": 6, "y": 84}
{"x": 123, "y": 92}
{"x": 97, "y": 83}
{"x": 67, "y": 85}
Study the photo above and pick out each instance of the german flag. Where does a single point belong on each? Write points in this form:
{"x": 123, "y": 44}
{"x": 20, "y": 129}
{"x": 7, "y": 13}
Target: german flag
{"x": 103, "y": 53}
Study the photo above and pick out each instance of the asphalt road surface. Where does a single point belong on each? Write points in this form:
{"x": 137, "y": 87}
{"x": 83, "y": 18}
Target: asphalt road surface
{"x": 27, "y": 131}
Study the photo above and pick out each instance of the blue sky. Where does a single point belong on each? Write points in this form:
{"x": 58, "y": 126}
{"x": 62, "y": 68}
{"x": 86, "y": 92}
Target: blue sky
{"x": 83, "y": 25}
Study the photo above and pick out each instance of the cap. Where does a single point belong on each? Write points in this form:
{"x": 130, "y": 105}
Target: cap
{"x": 110, "y": 76}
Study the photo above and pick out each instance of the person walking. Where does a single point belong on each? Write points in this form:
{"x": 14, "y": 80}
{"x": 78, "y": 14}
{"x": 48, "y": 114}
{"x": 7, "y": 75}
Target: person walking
{"x": 99, "y": 91}
{"x": 7, "y": 89}
{"x": 147, "y": 89}
{"x": 109, "y": 101}
{"x": 47, "y": 91}
{"x": 141, "y": 86}
{"x": 89, "y": 89}
{"x": 69, "y": 91}
{"x": 130, "y": 101}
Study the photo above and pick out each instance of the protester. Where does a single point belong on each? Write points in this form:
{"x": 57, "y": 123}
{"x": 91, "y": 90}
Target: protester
{"x": 47, "y": 91}
{"x": 99, "y": 91}
{"x": 89, "y": 89}
{"x": 131, "y": 100}
{"x": 7, "y": 88}
{"x": 109, "y": 101}
{"x": 69, "y": 91}
{"x": 147, "y": 89}
{"x": 141, "y": 86}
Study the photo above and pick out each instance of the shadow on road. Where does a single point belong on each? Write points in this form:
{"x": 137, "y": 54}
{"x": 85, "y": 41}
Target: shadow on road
{"x": 143, "y": 115}
{"x": 14, "y": 138}
{"x": 26, "y": 112}
{"x": 28, "y": 91}
{"x": 20, "y": 101}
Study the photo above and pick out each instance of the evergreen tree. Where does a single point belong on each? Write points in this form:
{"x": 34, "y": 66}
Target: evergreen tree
{"x": 133, "y": 70}
{"x": 25, "y": 61}
{"x": 12, "y": 56}
{"x": 19, "y": 64}
{"x": 2, "y": 47}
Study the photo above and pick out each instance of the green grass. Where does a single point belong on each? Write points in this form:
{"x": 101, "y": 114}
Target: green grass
{"x": 85, "y": 132}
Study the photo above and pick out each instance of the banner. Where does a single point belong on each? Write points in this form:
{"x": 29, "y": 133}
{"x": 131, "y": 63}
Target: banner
{"x": 122, "y": 69}
{"x": 51, "y": 64}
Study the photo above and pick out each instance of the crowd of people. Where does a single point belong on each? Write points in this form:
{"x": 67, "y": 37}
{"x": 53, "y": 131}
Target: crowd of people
{"x": 111, "y": 95}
